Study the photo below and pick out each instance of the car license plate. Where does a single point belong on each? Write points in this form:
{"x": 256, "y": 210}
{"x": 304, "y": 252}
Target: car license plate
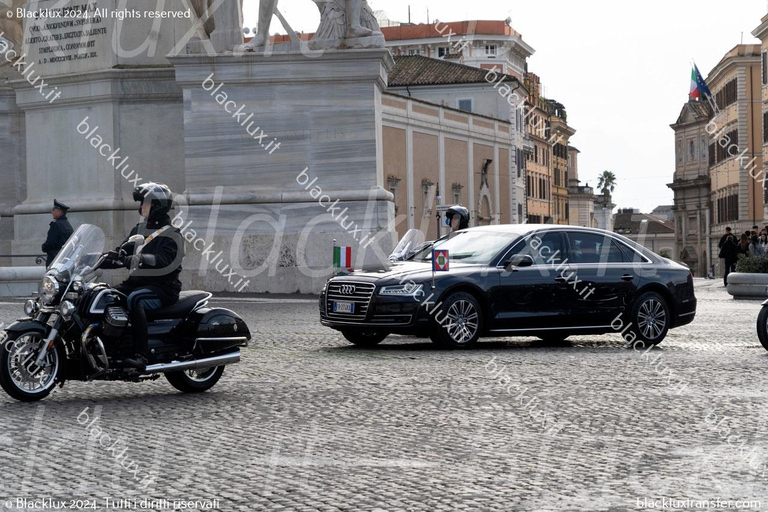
{"x": 343, "y": 307}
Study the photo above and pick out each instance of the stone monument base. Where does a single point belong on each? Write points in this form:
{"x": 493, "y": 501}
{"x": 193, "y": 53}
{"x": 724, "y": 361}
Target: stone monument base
{"x": 283, "y": 156}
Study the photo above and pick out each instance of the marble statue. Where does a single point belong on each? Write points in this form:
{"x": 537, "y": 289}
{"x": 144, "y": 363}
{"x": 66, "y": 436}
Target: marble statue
{"x": 11, "y": 28}
{"x": 203, "y": 12}
{"x": 343, "y": 24}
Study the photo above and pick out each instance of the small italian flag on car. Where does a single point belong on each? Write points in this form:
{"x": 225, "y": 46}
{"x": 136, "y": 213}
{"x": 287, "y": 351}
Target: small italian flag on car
{"x": 342, "y": 257}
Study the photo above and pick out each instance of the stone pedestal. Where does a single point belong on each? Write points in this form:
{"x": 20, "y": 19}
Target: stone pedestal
{"x": 133, "y": 114}
{"x": 267, "y": 138}
{"x": 12, "y": 165}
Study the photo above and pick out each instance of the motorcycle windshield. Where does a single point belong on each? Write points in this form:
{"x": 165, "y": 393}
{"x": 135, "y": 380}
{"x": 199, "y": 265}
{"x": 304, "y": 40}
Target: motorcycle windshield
{"x": 82, "y": 250}
{"x": 410, "y": 242}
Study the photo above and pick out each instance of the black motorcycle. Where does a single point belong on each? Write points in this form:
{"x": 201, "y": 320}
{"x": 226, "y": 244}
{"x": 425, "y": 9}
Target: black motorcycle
{"x": 762, "y": 325}
{"x": 78, "y": 329}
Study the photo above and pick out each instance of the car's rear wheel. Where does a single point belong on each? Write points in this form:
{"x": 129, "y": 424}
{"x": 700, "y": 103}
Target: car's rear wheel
{"x": 650, "y": 318}
{"x": 458, "y": 323}
{"x": 364, "y": 338}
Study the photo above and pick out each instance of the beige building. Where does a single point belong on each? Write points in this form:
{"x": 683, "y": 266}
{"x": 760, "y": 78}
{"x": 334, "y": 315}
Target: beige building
{"x": 735, "y": 153}
{"x": 560, "y": 134}
{"x": 547, "y": 160}
{"x": 691, "y": 187}
{"x": 737, "y": 198}
{"x": 436, "y": 154}
{"x": 428, "y": 145}
{"x": 761, "y": 32}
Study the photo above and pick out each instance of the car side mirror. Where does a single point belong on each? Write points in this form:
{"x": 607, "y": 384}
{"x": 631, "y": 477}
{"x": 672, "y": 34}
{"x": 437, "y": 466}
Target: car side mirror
{"x": 519, "y": 261}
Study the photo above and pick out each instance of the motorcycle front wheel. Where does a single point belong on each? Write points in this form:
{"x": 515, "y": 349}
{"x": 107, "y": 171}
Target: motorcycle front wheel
{"x": 195, "y": 381}
{"x": 20, "y": 376}
{"x": 762, "y": 327}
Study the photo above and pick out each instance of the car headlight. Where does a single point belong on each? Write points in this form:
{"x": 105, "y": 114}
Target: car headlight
{"x": 66, "y": 309}
{"x": 403, "y": 290}
{"x": 31, "y": 307}
{"x": 49, "y": 290}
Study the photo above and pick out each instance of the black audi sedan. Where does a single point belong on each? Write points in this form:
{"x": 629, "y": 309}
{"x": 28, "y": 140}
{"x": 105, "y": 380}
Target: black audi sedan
{"x": 515, "y": 280}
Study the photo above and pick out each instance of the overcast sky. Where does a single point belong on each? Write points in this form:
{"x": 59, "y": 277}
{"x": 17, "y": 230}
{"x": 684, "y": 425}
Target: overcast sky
{"x": 622, "y": 69}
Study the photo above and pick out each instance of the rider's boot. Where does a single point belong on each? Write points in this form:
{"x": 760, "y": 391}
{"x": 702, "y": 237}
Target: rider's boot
{"x": 139, "y": 322}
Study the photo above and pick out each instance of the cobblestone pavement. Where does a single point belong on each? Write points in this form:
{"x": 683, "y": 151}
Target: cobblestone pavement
{"x": 308, "y": 422}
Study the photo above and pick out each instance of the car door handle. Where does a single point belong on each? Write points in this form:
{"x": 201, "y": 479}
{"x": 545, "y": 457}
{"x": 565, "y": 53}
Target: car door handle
{"x": 627, "y": 277}
{"x": 560, "y": 279}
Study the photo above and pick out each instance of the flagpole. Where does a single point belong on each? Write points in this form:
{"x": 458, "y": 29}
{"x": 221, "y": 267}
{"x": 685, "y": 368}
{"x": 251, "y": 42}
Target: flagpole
{"x": 433, "y": 269}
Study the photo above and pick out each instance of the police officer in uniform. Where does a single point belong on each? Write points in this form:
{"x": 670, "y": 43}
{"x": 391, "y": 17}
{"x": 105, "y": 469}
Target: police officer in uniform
{"x": 58, "y": 233}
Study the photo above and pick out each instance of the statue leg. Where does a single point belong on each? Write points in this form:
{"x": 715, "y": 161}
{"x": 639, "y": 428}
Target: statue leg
{"x": 266, "y": 11}
{"x": 202, "y": 10}
{"x": 354, "y": 28}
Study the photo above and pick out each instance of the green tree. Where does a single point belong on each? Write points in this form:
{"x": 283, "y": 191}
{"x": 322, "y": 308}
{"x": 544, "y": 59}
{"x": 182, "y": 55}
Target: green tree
{"x": 607, "y": 182}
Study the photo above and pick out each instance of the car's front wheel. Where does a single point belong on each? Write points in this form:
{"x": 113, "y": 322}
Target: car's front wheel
{"x": 364, "y": 338}
{"x": 650, "y": 318}
{"x": 458, "y": 323}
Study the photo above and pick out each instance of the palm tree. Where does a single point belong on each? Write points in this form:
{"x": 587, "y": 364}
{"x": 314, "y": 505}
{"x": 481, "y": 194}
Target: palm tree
{"x": 606, "y": 182}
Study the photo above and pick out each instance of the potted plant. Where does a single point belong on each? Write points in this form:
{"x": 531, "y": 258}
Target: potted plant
{"x": 750, "y": 281}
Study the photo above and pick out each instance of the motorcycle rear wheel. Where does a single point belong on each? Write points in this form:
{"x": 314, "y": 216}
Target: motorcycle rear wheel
{"x": 195, "y": 381}
{"x": 19, "y": 376}
{"x": 762, "y": 327}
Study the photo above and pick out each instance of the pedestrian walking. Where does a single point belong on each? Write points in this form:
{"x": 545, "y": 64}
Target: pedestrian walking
{"x": 58, "y": 233}
{"x": 728, "y": 247}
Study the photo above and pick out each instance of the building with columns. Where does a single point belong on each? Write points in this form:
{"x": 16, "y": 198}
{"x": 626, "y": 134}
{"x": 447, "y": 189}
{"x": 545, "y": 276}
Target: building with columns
{"x": 691, "y": 187}
{"x": 446, "y": 129}
{"x": 581, "y": 199}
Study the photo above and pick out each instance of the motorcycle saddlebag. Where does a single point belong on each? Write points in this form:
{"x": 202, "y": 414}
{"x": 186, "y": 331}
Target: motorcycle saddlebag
{"x": 219, "y": 330}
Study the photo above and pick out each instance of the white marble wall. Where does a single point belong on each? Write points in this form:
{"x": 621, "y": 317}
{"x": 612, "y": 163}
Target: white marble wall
{"x": 326, "y": 114}
{"x": 138, "y": 111}
{"x": 12, "y": 164}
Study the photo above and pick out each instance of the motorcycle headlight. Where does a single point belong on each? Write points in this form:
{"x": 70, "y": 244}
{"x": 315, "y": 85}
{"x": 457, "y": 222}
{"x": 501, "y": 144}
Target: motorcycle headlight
{"x": 66, "y": 309}
{"x": 31, "y": 307}
{"x": 49, "y": 290}
{"x": 403, "y": 290}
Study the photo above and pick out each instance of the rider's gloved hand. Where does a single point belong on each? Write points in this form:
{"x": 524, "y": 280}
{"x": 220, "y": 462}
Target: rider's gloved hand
{"x": 112, "y": 257}
{"x": 132, "y": 261}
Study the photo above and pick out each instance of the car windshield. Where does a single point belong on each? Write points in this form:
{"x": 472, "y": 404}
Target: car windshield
{"x": 473, "y": 246}
{"x": 82, "y": 250}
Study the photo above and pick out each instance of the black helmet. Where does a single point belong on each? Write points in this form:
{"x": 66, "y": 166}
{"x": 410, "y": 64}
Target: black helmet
{"x": 463, "y": 214}
{"x": 160, "y": 196}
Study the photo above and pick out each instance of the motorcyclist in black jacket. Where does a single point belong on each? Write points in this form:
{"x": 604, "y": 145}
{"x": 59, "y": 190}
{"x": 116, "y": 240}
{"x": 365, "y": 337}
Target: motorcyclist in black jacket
{"x": 154, "y": 267}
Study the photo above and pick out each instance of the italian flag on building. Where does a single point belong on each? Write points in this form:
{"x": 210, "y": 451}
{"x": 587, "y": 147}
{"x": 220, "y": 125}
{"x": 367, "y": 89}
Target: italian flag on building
{"x": 694, "y": 93}
{"x": 342, "y": 257}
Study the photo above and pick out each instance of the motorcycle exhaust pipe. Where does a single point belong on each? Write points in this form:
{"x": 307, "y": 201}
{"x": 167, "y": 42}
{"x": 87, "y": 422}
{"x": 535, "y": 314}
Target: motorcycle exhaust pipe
{"x": 195, "y": 364}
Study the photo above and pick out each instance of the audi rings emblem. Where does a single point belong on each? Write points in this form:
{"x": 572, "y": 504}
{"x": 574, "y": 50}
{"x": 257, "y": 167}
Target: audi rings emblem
{"x": 348, "y": 289}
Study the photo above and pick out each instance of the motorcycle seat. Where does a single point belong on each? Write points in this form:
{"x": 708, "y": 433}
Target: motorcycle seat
{"x": 186, "y": 303}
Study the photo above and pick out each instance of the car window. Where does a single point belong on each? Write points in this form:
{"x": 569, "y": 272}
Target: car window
{"x": 544, "y": 248}
{"x": 473, "y": 246}
{"x": 594, "y": 248}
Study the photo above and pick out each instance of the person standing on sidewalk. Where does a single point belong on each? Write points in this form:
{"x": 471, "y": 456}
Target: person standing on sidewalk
{"x": 728, "y": 251}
